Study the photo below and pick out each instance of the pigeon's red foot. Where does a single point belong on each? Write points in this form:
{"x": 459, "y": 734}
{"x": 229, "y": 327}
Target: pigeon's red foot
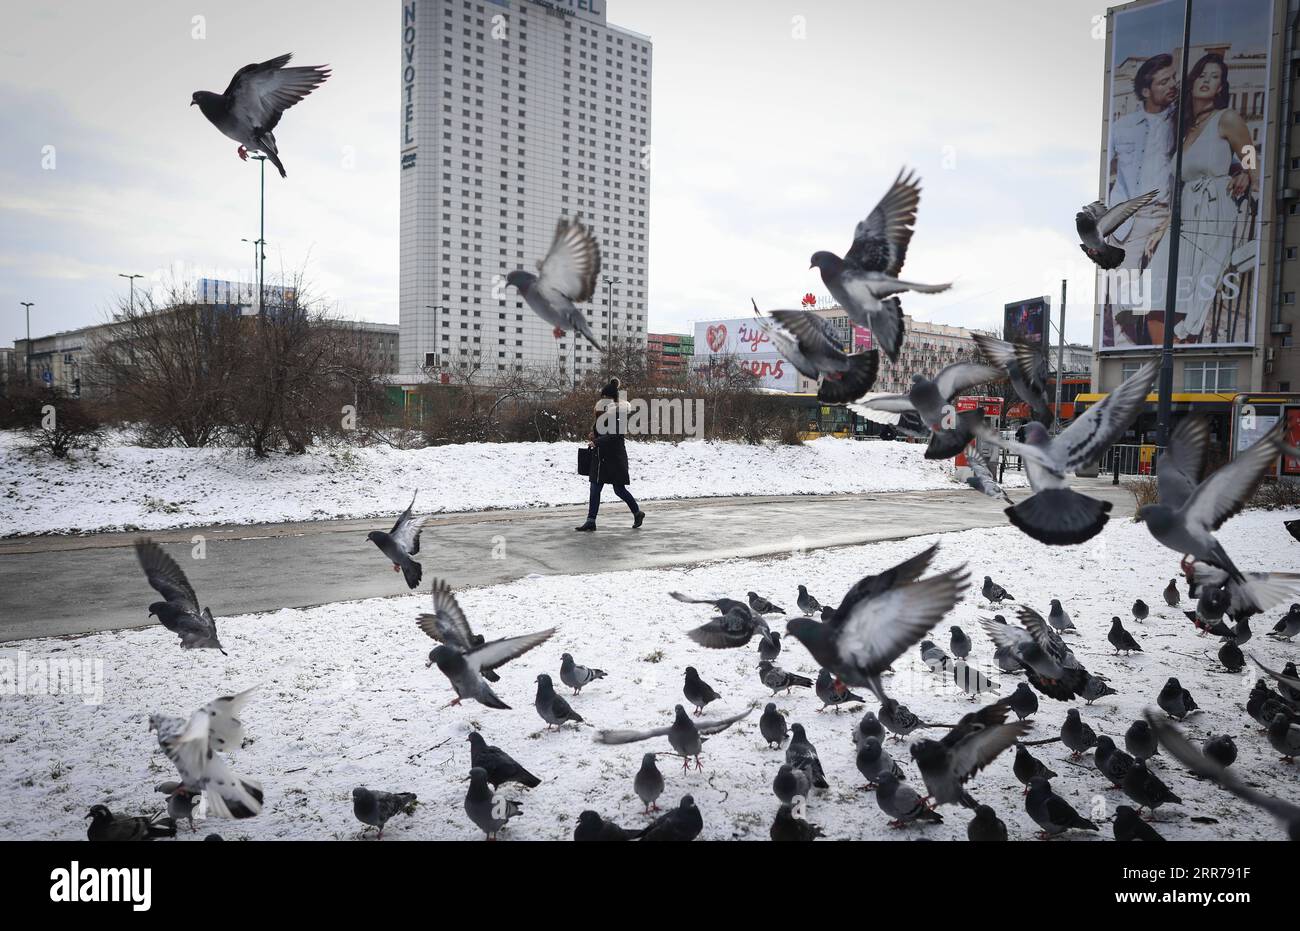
{"x": 397, "y": 568}
{"x": 559, "y": 334}
{"x": 698, "y": 764}
{"x": 242, "y": 153}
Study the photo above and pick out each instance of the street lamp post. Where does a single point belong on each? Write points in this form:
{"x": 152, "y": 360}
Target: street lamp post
{"x": 131, "y": 281}
{"x": 261, "y": 238}
{"x": 609, "y": 317}
{"x": 259, "y": 256}
{"x": 27, "y": 356}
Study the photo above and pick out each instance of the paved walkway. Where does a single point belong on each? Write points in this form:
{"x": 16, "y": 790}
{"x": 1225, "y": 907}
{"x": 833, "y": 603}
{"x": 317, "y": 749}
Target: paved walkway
{"x": 52, "y": 586}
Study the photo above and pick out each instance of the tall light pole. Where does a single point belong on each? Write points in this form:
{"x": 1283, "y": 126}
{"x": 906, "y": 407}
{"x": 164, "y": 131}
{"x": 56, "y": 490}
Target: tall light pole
{"x": 609, "y": 318}
{"x": 27, "y": 356}
{"x": 259, "y": 256}
{"x": 131, "y": 281}
{"x": 261, "y": 237}
{"x": 1060, "y": 357}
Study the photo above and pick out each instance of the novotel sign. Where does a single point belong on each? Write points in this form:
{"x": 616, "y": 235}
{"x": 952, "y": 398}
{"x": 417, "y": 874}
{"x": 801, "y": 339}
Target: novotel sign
{"x": 408, "y": 84}
{"x": 586, "y": 8}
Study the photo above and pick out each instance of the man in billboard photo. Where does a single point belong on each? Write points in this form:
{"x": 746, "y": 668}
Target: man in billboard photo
{"x": 1142, "y": 143}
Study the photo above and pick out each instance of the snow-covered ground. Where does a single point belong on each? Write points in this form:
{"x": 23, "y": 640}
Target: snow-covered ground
{"x": 346, "y": 700}
{"x": 133, "y": 488}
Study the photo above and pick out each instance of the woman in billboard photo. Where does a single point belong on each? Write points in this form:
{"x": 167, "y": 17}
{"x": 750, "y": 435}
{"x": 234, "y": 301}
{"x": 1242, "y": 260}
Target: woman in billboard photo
{"x": 609, "y": 459}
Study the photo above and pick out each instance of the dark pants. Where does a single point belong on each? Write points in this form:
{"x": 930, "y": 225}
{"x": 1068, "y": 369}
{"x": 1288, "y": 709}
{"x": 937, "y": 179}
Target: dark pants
{"x": 593, "y": 505}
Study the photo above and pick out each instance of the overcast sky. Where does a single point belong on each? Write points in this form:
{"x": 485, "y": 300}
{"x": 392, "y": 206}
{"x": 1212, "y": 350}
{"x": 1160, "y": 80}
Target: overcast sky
{"x": 767, "y": 147}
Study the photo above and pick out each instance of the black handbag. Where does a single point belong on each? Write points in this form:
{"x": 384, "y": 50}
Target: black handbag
{"x": 584, "y": 460}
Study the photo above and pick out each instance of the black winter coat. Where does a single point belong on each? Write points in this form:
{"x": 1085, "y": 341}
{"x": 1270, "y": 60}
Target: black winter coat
{"x": 609, "y": 462}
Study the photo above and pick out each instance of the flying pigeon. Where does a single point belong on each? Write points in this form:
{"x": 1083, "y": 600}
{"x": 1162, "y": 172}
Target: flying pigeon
{"x": 255, "y": 100}
{"x": 698, "y": 692}
{"x": 683, "y": 823}
{"x": 466, "y": 670}
{"x": 565, "y": 278}
{"x": 551, "y": 707}
{"x": 1059, "y": 619}
{"x": 1055, "y": 514}
{"x": 787, "y": 827}
{"x": 489, "y": 814}
{"x": 947, "y": 765}
{"x": 873, "y": 761}
{"x": 959, "y": 643}
{"x": 575, "y": 676}
{"x": 806, "y": 602}
{"x": 685, "y": 736}
{"x": 1129, "y": 826}
{"x": 776, "y": 678}
{"x": 1048, "y": 664}
{"x": 1175, "y": 700}
{"x": 760, "y": 605}
{"x": 648, "y": 783}
{"x": 879, "y": 619}
{"x": 1077, "y": 735}
{"x": 195, "y": 745}
{"x": 865, "y": 280}
{"x": 1096, "y": 221}
{"x": 1026, "y": 369}
{"x": 772, "y": 726}
{"x": 950, "y": 431}
{"x": 801, "y": 754}
{"x": 106, "y": 826}
{"x": 1217, "y": 593}
{"x": 981, "y": 477}
{"x": 1053, "y": 814}
{"x": 401, "y": 543}
{"x": 592, "y": 827}
{"x": 721, "y": 605}
{"x": 375, "y": 808}
{"x": 1171, "y": 594}
{"x": 1121, "y": 639}
{"x": 1145, "y": 788}
{"x": 810, "y": 344}
{"x": 180, "y": 612}
{"x": 1288, "y": 680}
{"x": 994, "y": 593}
{"x": 499, "y": 765}
{"x": 985, "y": 826}
{"x": 1191, "y": 510}
{"x": 833, "y": 694}
{"x": 902, "y": 803}
{"x": 1292, "y": 527}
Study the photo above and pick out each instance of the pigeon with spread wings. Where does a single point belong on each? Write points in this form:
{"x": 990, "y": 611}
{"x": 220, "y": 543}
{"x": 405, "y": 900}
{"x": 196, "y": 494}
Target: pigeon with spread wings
{"x": 865, "y": 280}
{"x": 950, "y": 432}
{"x": 685, "y": 736}
{"x": 447, "y": 624}
{"x": 564, "y": 279}
{"x": 880, "y": 619}
{"x": 401, "y": 543}
{"x": 947, "y": 765}
{"x": 195, "y": 745}
{"x": 1054, "y": 514}
{"x": 1026, "y": 368}
{"x": 811, "y": 345}
{"x": 257, "y": 97}
{"x": 180, "y": 612}
{"x": 1097, "y": 221}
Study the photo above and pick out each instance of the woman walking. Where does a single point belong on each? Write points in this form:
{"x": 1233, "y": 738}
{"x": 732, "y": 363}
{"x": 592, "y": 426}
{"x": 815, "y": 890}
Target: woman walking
{"x": 609, "y": 458}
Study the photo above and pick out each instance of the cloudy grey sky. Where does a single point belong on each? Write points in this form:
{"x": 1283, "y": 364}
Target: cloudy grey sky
{"x": 767, "y": 147}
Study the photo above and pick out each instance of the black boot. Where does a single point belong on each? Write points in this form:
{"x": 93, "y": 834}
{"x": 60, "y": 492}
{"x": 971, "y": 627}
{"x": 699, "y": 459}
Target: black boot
{"x": 589, "y": 525}
{"x": 637, "y": 518}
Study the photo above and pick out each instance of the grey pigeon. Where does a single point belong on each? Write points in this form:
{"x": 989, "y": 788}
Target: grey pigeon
{"x": 592, "y": 827}
{"x": 1059, "y": 619}
{"x": 196, "y": 744}
{"x": 1096, "y": 222}
{"x": 994, "y": 593}
{"x": 971, "y": 681}
{"x": 489, "y": 813}
{"x": 801, "y": 754}
{"x": 179, "y": 612}
{"x": 789, "y": 827}
{"x": 1145, "y": 788}
{"x": 1173, "y": 740}
{"x": 448, "y": 624}
{"x": 1284, "y": 735}
{"x": 551, "y": 707}
{"x": 760, "y": 605}
{"x": 466, "y": 670}
{"x": 809, "y": 342}
{"x": 1112, "y": 762}
{"x": 1140, "y": 741}
{"x": 978, "y": 739}
{"x": 1077, "y": 736}
{"x": 932, "y": 401}
{"x": 1023, "y": 701}
{"x": 880, "y": 618}
{"x": 499, "y": 765}
{"x": 1231, "y": 657}
{"x": 1140, "y": 610}
{"x": 985, "y": 826}
{"x": 898, "y": 719}
{"x": 776, "y": 678}
{"x": 1172, "y": 597}
{"x": 1094, "y": 688}
{"x": 683, "y": 823}
{"x": 1056, "y": 514}
{"x": 868, "y": 727}
{"x": 1289, "y": 626}
{"x": 564, "y": 279}
{"x": 769, "y": 646}
{"x": 1048, "y": 663}
{"x": 933, "y": 657}
{"x": 575, "y": 676}
{"x": 721, "y": 605}
{"x": 1028, "y": 767}
{"x": 698, "y": 692}
{"x": 1190, "y": 510}
{"x": 1221, "y": 749}
{"x": 648, "y": 783}
{"x": 873, "y": 760}
{"x": 685, "y": 736}
{"x": 1288, "y": 680}
{"x": 1053, "y": 814}
{"x": 1026, "y": 368}
{"x": 832, "y": 693}
{"x": 1129, "y": 826}
{"x": 771, "y": 724}
{"x": 401, "y": 543}
{"x": 1175, "y": 700}
{"x": 791, "y": 783}
{"x": 902, "y": 803}
{"x": 107, "y": 827}
{"x": 1121, "y": 639}
{"x": 375, "y": 808}
{"x": 806, "y": 602}
{"x": 981, "y": 477}
{"x": 865, "y": 280}
{"x": 959, "y": 643}
{"x": 733, "y": 629}
{"x": 180, "y": 802}
{"x": 254, "y": 101}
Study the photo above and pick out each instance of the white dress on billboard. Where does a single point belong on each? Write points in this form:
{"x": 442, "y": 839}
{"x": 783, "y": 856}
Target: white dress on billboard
{"x": 1208, "y": 216}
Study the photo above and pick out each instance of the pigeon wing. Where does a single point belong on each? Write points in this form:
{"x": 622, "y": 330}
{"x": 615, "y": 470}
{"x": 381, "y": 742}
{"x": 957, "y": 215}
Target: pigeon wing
{"x": 165, "y": 576}
{"x": 877, "y": 630}
{"x": 260, "y": 93}
{"x": 909, "y": 570}
{"x": 890, "y": 403}
{"x": 447, "y": 624}
{"x": 1097, "y": 428}
{"x": 406, "y": 532}
{"x": 1180, "y": 467}
{"x": 815, "y": 335}
{"x": 717, "y": 727}
{"x": 499, "y": 652}
{"x": 1111, "y": 219}
{"x": 953, "y": 379}
{"x": 880, "y": 241}
{"x": 1226, "y": 492}
{"x": 979, "y": 749}
{"x": 573, "y": 262}
{"x": 627, "y": 736}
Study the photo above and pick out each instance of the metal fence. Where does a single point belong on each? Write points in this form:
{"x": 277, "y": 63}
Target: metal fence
{"x": 1131, "y": 459}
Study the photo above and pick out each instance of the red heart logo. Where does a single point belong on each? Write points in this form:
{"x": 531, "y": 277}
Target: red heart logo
{"x": 717, "y": 337}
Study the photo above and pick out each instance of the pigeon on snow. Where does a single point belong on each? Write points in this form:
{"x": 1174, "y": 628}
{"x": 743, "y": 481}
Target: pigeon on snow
{"x": 106, "y": 826}
{"x": 499, "y": 765}
{"x": 483, "y": 808}
{"x": 375, "y": 808}
{"x": 575, "y": 676}
{"x": 685, "y": 736}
